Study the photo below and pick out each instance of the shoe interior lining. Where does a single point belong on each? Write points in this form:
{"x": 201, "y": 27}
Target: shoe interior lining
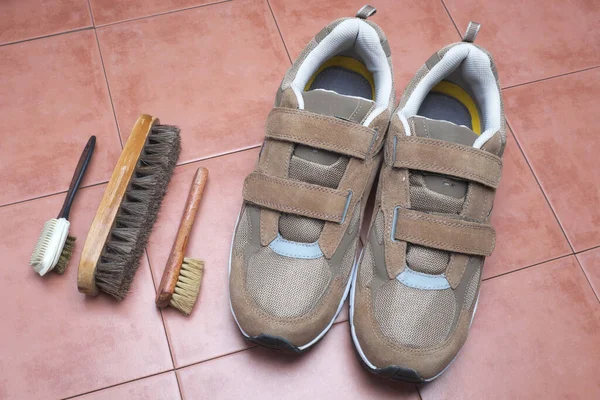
{"x": 448, "y": 101}
{"x": 344, "y": 75}
{"x": 472, "y": 66}
{"x": 359, "y": 37}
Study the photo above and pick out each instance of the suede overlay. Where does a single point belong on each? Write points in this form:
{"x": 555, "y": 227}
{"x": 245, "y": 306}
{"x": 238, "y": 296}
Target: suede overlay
{"x": 393, "y": 191}
{"x": 358, "y": 178}
{"x": 444, "y": 233}
{"x": 448, "y": 158}
{"x": 321, "y": 131}
{"x": 456, "y": 269}
{"x": 291, "y": 196}
{"x": 274, "y": 161}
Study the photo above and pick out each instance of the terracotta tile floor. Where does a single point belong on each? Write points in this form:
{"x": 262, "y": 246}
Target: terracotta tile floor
{"x": 73, "y": 68}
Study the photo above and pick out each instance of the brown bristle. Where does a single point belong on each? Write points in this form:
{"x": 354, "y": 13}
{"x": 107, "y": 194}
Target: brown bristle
{"x": 188, "y": 285}
{"x": 132, "y": 226}
{"x": 65, "y": 255}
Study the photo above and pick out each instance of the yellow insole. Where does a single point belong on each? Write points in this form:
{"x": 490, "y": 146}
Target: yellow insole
{"x": 349, "y": 64}
{"x": 459, "y": 94}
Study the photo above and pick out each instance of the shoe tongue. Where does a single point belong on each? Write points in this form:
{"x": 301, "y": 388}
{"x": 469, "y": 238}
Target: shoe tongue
{"x": 328, "y": 102}
{"x": 436, "y": 193}
{"x": 442, "y": 130}
{"x": 320, "y": 167}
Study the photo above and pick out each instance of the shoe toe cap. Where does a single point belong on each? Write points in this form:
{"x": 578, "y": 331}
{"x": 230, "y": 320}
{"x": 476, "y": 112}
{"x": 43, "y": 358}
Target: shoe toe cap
{"x": 283, "y": 302}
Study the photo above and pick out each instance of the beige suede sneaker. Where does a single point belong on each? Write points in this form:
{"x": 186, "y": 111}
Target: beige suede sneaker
{"x": 294, "y": 247}
{"x": 417, "y": 285}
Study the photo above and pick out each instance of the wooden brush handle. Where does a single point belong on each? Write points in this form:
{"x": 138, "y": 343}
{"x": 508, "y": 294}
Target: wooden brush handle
{"x": 171, "y": 273}
{"x": 109, "y": 206}
{"x": 82, "y": 165}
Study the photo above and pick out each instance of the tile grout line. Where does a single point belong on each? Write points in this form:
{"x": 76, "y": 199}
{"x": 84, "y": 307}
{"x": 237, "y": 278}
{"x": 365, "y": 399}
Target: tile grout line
{"x": 588, "y": 249}
{"x": 279, "y": 30}
{"x": 117, "y": 384}
{"x": 251, "y": 147}
{"x": 91, "y": 14}
{"x": 112, "y": 105}
{"x": 162, "y": 318}
{"x": 164, "y": 13}
{"x": 216, "y": 357}
{"x": 540, "y": 186}
{"x": 451, "y": 19}
{"x": 87, "y": 28}
{"x": 587, "y": 278}
{"x": 94, "y": 26}
{"x": 174, "y": 370}
{"x": 106, "y": 181}
{"x": 528, "y": 266}
{"x": 418, "y": 391}
{"x": 178, "y": 384}
{"x": 43, "y": 196}
{"x": 551, "y": 77}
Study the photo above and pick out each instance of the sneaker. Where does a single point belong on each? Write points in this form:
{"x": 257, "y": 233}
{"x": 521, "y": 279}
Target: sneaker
{"x": 294, "y": 247}
{"x": 416, "y": 289}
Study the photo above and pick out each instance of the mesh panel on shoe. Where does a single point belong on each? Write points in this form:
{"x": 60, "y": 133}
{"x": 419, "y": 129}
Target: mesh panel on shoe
{"x": 424, "y": 199}
{"x": 379, "y": 227}
{"x": 348, "y": 260}
{"x": 367, "y": 265}
{"x": 244, "y": 230}
{"x": 303, "y": 229}
{"x": 429, "y": 261}
{"x": 286, "y": 287}
{"x": 414, "y": 317}
{"x": 318, "y": 174}
{"x": 300, "y": 229}
{"x": 472, "y": 290}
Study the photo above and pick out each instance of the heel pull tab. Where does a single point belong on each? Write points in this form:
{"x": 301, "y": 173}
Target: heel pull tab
{"x": 471, "y": 32}
{"x": 365, "y": 12}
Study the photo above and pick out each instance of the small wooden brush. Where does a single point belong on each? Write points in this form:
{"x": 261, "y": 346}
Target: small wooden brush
{"x": 55, "y": 246}
{"x": 120, "y": 229}
{"x": 180, "y": 283}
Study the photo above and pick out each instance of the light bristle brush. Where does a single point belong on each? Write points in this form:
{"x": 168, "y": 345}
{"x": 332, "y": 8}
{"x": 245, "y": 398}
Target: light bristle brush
{"x": 120, "y": 229}
{"x": 55, "y": 246}
{"x": 180, "y": 283}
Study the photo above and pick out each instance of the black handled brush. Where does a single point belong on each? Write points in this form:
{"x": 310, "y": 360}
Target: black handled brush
{"x": 55, "y": 246}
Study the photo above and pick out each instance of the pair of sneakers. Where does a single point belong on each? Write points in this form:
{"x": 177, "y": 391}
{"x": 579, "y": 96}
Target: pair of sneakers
{"x": 333, "y": 131}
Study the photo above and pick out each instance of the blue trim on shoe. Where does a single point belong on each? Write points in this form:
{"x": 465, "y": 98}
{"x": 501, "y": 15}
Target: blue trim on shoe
{"x": 419, "y": 280}
{"x": 288, "y": 248}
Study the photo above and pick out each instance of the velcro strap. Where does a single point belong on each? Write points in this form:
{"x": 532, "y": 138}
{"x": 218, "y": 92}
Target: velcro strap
{"x": 321, "y": 131}
{"x": 443, "y": 233}
{"x": 294, "y": 197}
{"x": 447, "y": 158}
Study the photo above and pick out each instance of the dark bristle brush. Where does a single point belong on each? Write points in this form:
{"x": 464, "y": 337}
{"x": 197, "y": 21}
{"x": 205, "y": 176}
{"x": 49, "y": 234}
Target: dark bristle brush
{"x": 120, "y": 230}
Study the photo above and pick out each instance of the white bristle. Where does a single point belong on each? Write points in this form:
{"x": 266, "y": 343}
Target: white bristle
{"x": 188, "y": 285}
{"x": 49, "y": 245}
{"x": 43, "y": 242}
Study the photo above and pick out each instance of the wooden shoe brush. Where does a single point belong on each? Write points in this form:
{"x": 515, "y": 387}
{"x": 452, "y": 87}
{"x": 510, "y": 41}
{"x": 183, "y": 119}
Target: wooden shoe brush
{"x": 180, "y": 283}
{"x": 120, "y": 229}
{"x": 55, "y": 246}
